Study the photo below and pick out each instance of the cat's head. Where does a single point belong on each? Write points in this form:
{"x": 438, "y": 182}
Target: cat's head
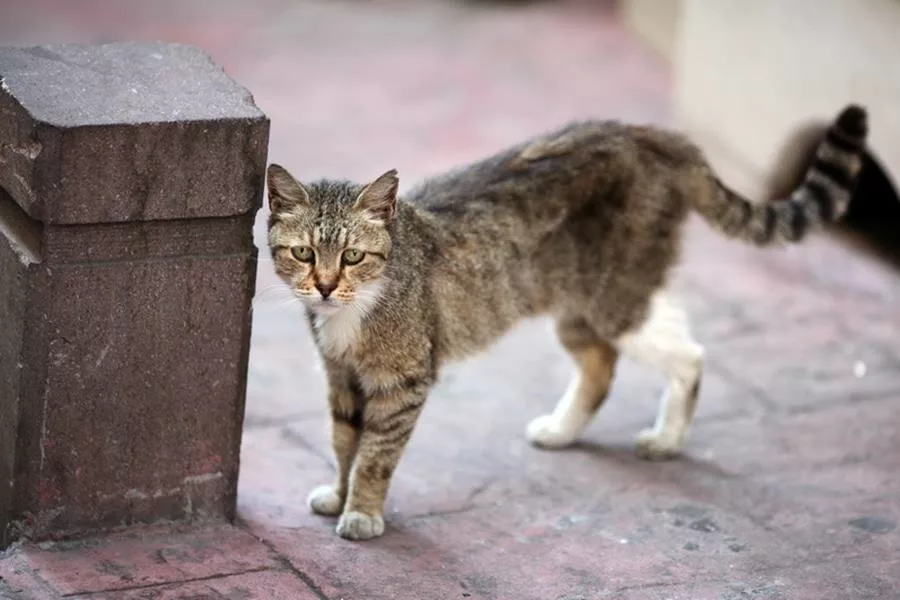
{"x": 330, "y": 240}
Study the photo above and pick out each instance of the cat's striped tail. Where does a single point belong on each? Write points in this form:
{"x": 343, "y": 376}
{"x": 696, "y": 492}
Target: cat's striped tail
{"x": 822, "y": 198}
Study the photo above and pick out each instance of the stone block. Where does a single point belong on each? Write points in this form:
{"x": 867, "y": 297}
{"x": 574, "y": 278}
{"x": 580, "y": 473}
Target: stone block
{"x": 130, "y": 176}
{"x": 127, "y": 132}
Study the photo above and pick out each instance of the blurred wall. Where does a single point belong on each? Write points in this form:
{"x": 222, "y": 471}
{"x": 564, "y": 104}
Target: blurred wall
{"x": 656, "y": 21}
{"x": 749, "y": 72}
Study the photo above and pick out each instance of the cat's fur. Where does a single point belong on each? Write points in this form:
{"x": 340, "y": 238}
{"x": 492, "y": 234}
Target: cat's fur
{"x": 584, "y": 224}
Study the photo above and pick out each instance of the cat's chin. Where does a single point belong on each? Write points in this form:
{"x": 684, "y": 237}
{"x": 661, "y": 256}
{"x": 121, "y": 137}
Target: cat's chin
{"x": 325, "y": 308}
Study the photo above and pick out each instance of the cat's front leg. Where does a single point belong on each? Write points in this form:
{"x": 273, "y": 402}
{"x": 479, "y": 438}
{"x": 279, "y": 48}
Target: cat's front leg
{"x": 388, "y": 421}
{"x": 345, "y": 401}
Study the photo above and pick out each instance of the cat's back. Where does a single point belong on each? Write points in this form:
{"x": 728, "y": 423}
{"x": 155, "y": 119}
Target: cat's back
{"x": 529, "y": 167}
{"x": 542, "y": 180}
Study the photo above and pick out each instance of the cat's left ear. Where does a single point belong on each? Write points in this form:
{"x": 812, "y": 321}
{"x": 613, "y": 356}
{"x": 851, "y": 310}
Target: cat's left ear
{"x": 379, "y": 199}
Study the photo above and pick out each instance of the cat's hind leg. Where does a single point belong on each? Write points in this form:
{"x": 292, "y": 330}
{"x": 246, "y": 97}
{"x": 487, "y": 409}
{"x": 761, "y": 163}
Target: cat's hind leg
{"x": 664, "y": 342}
{"x": 595, "y": 359}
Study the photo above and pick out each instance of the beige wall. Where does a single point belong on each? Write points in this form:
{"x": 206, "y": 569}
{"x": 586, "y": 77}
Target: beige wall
{"x": 748, "y": 72}
{"x": 656, "y": 21}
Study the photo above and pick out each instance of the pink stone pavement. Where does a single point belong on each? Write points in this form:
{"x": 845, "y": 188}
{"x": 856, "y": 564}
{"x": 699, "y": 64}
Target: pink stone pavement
{"x": 789, "y": 488}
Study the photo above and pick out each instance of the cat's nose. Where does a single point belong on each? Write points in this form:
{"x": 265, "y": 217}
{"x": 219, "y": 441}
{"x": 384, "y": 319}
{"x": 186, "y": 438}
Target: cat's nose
{"x": 325, "y": 288}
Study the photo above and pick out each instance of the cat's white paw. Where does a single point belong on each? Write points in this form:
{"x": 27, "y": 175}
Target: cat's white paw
{"x": 545, "y": 432}
{"x": 324, "y": 500}
{"x": 656, "y": 445}
{"x": 358, "y": 526}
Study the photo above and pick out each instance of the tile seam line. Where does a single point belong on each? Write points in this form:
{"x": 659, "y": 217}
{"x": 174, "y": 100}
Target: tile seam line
{"x": 164, "y": 583}
{"x": 285, "y": 562}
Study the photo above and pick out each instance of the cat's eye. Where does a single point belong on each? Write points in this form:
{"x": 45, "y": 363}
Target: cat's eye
{"x": 303, "y": 254}
{"x": 352, "y": 256}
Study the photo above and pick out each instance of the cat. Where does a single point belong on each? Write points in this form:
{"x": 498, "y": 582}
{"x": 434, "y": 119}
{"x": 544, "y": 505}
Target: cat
{"x": 584, "y": 224}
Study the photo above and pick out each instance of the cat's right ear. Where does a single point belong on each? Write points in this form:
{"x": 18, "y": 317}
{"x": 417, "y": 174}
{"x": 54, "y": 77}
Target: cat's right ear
{"x": 285, "y": 192}
{"x": 378, "y": 200}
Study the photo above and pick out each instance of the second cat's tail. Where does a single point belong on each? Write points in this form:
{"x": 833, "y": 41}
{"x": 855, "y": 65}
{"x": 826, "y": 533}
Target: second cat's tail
{"x": 821, "y": 198}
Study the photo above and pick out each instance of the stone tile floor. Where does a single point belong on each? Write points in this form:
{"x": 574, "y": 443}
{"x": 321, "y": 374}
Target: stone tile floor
{"x": 789, "y": 486}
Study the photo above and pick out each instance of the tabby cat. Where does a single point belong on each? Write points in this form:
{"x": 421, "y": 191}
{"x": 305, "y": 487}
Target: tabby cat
{"x": 584, "y": 224}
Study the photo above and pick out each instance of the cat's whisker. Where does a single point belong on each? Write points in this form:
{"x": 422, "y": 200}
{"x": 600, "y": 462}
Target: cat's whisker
{"x": 270, "y": 293}
{"x": 274, "y": 289}
{"x": 372, "y": 301}
{"x": 271, "y": 300}
{"x": 287, "y": 303}
{"x": 257, "y": 303}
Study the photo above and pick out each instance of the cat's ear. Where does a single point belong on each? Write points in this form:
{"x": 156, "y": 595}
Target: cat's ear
{"x": 285, "y": 192}
{"x": 379, "y": 199}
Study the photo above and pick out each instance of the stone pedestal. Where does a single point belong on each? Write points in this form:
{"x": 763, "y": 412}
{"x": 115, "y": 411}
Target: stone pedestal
{"x": 130, "y": 175}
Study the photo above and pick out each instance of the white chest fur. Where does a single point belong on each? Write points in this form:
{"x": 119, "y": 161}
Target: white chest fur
{"x": 339, "y": 332}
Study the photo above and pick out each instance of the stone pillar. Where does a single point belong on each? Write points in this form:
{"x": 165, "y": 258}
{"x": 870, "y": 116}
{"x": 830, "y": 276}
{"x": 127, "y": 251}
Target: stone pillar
{"x": 130, "y": 176}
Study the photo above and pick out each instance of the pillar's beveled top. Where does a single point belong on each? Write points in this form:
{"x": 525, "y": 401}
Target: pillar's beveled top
{"x": 127, "y": 132}
{"x": 124, "y": 83}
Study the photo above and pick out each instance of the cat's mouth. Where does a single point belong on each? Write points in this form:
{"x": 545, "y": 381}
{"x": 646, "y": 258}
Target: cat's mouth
{"x": 324, "y": 306}
{"x": 318, "y": 304}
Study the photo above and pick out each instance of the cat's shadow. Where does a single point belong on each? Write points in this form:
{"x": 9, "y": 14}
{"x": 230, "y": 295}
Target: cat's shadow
{"x": 624, "y": 456}
{"x": 693, "y": 479}
{"x": 688, "y": 480}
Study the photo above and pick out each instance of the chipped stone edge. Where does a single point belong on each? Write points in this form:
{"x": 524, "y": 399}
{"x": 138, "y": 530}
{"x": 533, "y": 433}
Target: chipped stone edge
{"x": 20, "y": 231}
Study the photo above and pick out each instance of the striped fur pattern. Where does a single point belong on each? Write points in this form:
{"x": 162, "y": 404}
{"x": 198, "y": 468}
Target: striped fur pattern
{"x": 822, "y": 198}
{"x": 584, "y": 224}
